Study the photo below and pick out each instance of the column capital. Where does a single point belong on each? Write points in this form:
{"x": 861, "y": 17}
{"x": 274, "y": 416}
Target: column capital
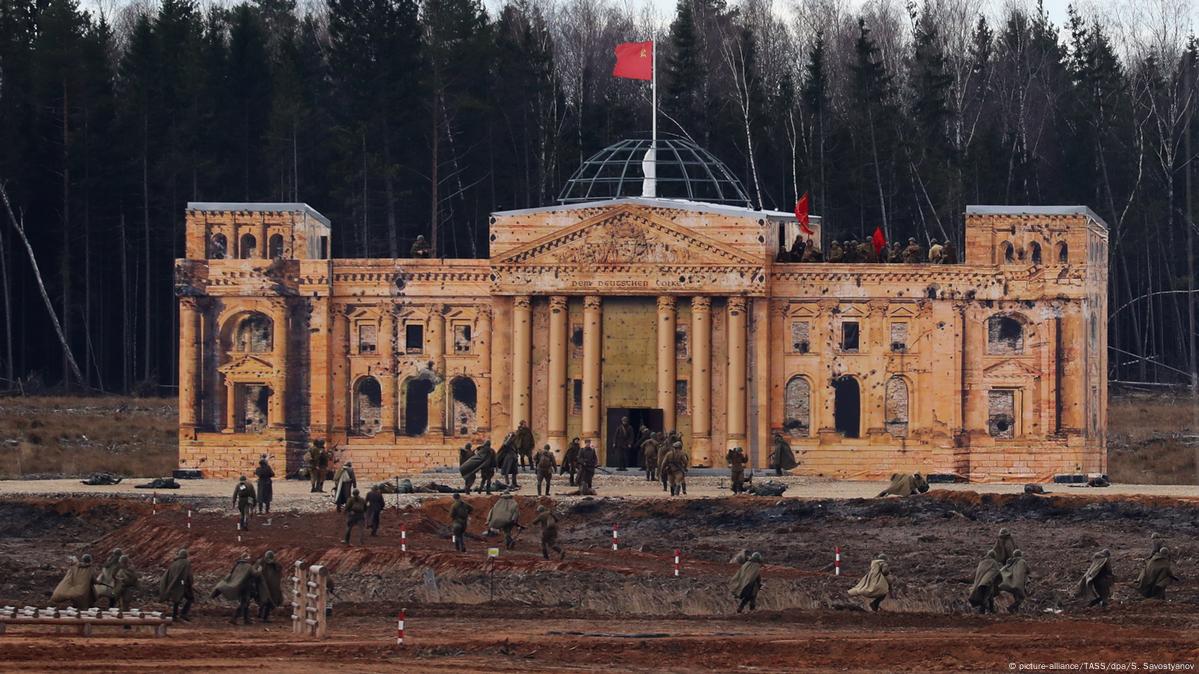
{"x": 522, "y": 301}
{"x": 666, "y": 302}
{"x": 736, "y": 305}
{"x": 780, "y": 309}
{"x": 701, "y": 303}
{"x": 483, "y": 312}
{"x": 557, "y": 303}
{"x": 592, "y": 302}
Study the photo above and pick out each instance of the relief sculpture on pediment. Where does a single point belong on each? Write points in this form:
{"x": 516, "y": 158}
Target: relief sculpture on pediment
{"x": 622, "y": 241}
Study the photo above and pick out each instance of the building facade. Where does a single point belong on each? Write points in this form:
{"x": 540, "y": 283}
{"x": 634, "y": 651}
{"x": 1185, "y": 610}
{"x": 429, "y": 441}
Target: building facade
{"x": 672, "y": 312}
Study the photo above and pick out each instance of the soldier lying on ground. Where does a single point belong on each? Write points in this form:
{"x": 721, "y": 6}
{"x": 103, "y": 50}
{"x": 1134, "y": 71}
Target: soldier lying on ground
{"x": 102, "y": 480}
{"x": 159, "y": 483}
{"x": 905, "y": 484}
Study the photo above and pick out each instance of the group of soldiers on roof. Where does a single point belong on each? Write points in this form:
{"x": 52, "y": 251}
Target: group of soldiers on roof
{"x": 849, "y": 250}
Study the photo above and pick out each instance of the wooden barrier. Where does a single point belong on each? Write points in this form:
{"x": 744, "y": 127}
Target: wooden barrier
{"x": 310, "y": 599}
{"x": 83, "y": 621}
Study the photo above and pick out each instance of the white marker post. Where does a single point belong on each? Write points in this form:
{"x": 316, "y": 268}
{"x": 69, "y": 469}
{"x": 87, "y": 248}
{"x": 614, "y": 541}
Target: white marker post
{"x": 676, "y": 562}
{"x": 837, "y": 561}
{"x": 403, "y": 538}
{"x": 154, "y": 503}
{"x": 615, "y": 537}
{"x": 189, "y": 520}
{"x": 400, "y": 628}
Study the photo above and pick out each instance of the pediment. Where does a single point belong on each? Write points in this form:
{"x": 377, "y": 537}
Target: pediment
{"x": 247, "y": 366}
{"x": 626, "y": 236}
{"x": 902, "y": 311}
{"x": 1010, "y": 369}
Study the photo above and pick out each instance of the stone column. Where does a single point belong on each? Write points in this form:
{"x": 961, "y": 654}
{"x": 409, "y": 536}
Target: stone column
{"x": 701, "y": 381}
{"x": 557, "y": 375}
{"x": 436, "y": 349}
{"x": 736, "y": 382}
{"x": 387, "y": 350}
{"x": 501, "y": 369}
{"x": 280, "y": 336}
{"x": 522, "y": 349}
{"x": 666, "y": 360}
{"x": 482, "y": 340}
{"x": 593, "y": 333}
{"x": 230, "y": 407}
{"x": 190, "y": 359}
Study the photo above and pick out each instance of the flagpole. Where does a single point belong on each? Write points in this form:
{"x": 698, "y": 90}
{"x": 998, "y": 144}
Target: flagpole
{"x": 654, "y": 96}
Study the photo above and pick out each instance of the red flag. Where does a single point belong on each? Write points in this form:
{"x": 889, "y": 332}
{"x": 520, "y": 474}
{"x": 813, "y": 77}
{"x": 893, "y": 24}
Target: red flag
{"x": 879, "y": 240}
{"x": 801, "y": 214}
{"x": 634, "y": 60}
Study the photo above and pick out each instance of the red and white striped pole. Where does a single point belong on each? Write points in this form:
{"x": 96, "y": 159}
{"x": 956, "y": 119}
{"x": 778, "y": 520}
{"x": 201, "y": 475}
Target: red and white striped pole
{"x": 837, "y": 561}
{"x": 154, "y": 503}
{"x": 676, "y": 562}
{"x": 189, "y": 520}
{"x": 400, "y": 628}
{"x": 615, "y": 537}
{"x": 403, "y": 538}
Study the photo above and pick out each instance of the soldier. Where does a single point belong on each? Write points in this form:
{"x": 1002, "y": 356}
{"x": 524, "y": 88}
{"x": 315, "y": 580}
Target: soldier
{"x": 546, "y": 465}
{"x": 866, "y": 251}
{"x": 78, "y": 585}
{"x": 905, "y": 484}
{"x": 781, "y": 456}
{"x": 125, "y": 582}
{"x": 486, "y": 465}
{"x": 344, "y": 481}
{"x": 524, "y": 442}
{"x": 504, "y": 516}
{"x": 1158, "y": 542}
{"x": 374, "y": 509}
{"x": 176, "y": 587}
{"x": 588, "y": 461}
{"x": 264, "y": 473}
{"x": 240, "y": 586}
{"x": 508, "y": 460}
{"x": 736, "y": 459}
{"x": 570, "y": 460}
{"x": 1098, "y": 580}
{"x": 797, "y": 249}
{"x": 314, "y": 464}
{"x": 675, "y": 469}
{"x": 986, "y": 584}
{"x": 1156, "y": 575}
{"x": 243, "y": 498}
{"x": 549, "y": 532}
{"x": 936, "y": 252}
{"x": 1013, "y": 579}
{"x": 106, "y": 582}
{"x": 1004, "y": 547}
{"x": 811, "y": 253}
{"x": 649, "y": 455}
{"x": 420, "y": 247}
{"x": 876, "y": 584}
{"x": 911, "y": 254}
{"x": 851, "y": 251}
{"x": 459, "y": 514}
{"x": 322, "y": 466}
{"x": 664, "y": 451}
{"x": 835, "y": 252}
{"x": 949, "y": 254}
{"x": 894, "y": 253}
{"x": 355, "y": 516}
{"x": 746, "y": 583}
{"x": 623, "y": 441}
{"x": 270, "y": 585}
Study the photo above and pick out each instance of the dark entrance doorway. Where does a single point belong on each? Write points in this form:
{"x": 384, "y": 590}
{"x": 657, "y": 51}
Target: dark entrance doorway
{"x": 651, "y": 417}
{"x": 847, "y": 406}
{"x": 416, "y": 407}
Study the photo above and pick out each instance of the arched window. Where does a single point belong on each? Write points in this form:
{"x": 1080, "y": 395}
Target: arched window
{"x": 253, "y": 334}
{"x": 895, "y": 407}
{"x": 797, "y": 406}
{"x": 249, "y": 246}
{"x": 1063, "y": 253}
{"x": 847, "y": 406}
{"x": 368, "y": 407}
{"x": 1009, "y": 252}
{"x": 1036, "y": 252}
{"x": 1005, "y": 335}
{"x": 275, "y": 247}
{"x": 465, "y": 397}
{"x": 218, "y": 247}
{"x": 416, "y": 406}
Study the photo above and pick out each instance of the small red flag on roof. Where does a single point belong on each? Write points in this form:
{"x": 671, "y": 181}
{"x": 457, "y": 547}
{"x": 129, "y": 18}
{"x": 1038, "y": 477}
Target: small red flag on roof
{"x": 801, "y": 214}
{"x": 634, "y": 60}
{"x": 879, "y": 240}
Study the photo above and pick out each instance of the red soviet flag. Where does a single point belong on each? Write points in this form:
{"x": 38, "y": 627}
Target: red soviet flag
{"x": 634, "y": 60}
{"x": 801, "y": 214}
{"x": 879, "y": 240}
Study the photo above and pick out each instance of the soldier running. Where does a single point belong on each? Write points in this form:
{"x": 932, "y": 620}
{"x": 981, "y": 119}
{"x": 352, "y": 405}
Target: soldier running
{"x": 747, "y": 582}
{"x": 355, "y": 517}
{"x": 176, "y": 586}
{"x": 570, "y": 460}
{"x": 546, "y": 465}
{"x": 270, "y": 585}
{"x": 876, "y": 584}
{"x": 243, "y": 499}
{"x": 588, "y": 461}
{"x": 374, "y": 509}
{"x": 524, "y": 441}
{"x": 459, "y": 515}
{"x": 986, "y": 584}
{"x": 1098, "y": 580}
{"x": 266, "y": 492}
{"x": 549, "y": 532}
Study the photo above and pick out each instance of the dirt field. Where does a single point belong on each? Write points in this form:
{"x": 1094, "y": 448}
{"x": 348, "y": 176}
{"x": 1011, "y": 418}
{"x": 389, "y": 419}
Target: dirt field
{"x": 600, "y": 610}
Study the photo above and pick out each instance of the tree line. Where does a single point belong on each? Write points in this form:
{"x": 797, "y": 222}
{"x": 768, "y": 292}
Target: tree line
{"x": 405, "y": 117}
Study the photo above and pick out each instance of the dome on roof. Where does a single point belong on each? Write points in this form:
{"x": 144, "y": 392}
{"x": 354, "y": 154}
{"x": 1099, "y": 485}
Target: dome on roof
{"x": 684, "y": 171}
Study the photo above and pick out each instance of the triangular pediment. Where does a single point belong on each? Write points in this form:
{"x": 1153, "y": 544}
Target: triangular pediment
{"x": 1010, "y": 369}
{"x": 626, "y": 236}
{"x": 902, "y": 311}
{"x": 247, "y": 366}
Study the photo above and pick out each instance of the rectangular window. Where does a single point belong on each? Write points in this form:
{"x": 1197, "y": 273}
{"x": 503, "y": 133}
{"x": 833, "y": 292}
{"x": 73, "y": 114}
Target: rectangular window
{"x": 1001, "y": 413}
{"x": 682, "y": 405}
{"x": 368, "y": 334}
{"x": 576, "y": 396}
{"x": 680, "y": 342}
{"x": 849, "y": 336}
{"x": 799, "y": 337}
{"x": 899, "y": 337}
{"x": 462, "y": 338}
{"x": 414, "y": 338}
{"x": 324, "y": 252}
{"x": 576, "y": 341}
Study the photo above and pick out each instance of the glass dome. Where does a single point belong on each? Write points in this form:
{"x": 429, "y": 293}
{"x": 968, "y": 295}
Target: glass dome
{"x": 684, "y": 171}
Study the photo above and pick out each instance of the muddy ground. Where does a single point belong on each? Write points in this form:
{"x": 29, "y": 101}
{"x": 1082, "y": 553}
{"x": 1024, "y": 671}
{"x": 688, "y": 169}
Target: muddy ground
{"x": 624, "y": 611}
